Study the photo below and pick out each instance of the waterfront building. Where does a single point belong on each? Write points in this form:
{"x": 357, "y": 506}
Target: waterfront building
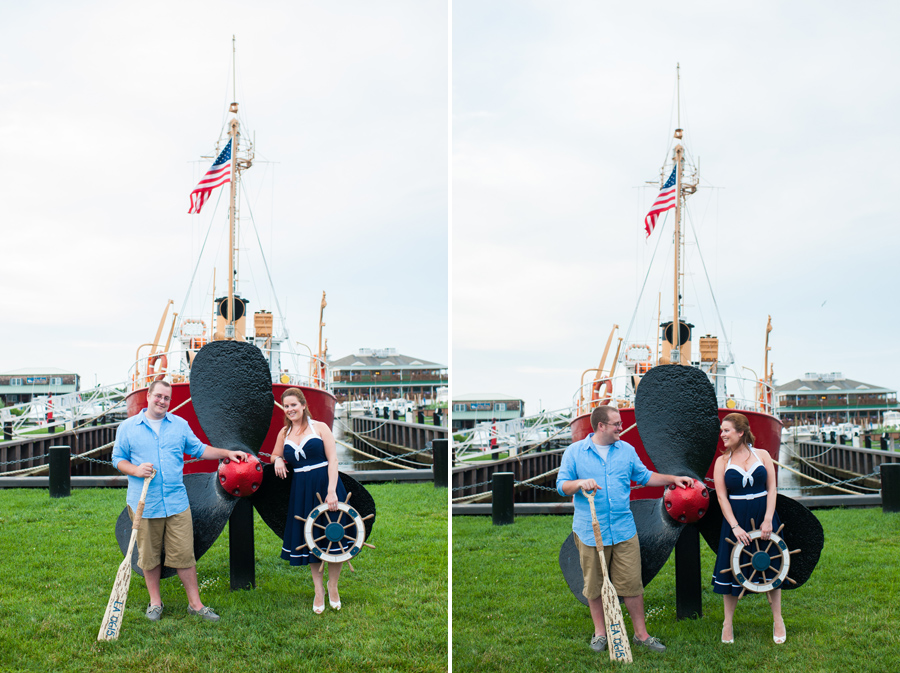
{"x": 22, "y": 385}
{"x": 820, "y": 399}
{"x": 470, "y": 410}
{"x": 383, "y": 374}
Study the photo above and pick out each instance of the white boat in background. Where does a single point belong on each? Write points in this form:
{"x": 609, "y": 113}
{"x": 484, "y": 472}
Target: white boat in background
{"x": 891, "y": 420}
{"x": 799, "y": 433}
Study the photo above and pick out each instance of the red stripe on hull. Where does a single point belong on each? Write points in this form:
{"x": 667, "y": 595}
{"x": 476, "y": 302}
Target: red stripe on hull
{"x": 321, "y": 408}
{"x": 766, "y": 429}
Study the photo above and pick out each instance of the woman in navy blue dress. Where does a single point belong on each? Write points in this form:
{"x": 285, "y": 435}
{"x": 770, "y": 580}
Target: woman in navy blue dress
{"x": 306, "y": 448}
{"x": 745, "y": 487}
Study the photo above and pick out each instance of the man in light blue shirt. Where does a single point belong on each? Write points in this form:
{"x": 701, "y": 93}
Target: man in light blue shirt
{"x": 151, "y": 440}
{"x": 602, "y": 462}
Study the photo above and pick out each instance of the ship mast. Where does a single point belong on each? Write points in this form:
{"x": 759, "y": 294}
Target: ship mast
{"x": 679, "y": 164}
{"x": 234, "y": 133}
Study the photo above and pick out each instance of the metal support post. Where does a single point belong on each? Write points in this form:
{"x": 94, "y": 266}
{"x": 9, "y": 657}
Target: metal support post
{"x": 241, "y": 550}
{"x": 688, "y": 602}
{"x": 503, "y": 498}
{"x": 60, "y": 480}
{"x": 890, "y": 487}
{"x": 439, "y": 467}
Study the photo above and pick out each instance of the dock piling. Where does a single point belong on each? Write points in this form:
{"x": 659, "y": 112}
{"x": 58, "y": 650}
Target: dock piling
{"x": 439, "y": 465}
{"x": 502, "y": 498}
{"x": 60, "y": 482}
{"x": 890, "y": 487}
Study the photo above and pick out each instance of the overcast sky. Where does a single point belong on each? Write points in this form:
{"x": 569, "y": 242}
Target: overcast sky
{"x": 562, "y": 111}
{"x": 107, "y": 109}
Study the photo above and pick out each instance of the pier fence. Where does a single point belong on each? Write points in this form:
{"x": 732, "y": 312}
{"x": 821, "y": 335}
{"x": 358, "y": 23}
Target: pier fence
{"x": 21, "y": 454}
{"x": 537, "y": 466}
{"x": 843, "y": 461}
{"x": 395, "y": 437}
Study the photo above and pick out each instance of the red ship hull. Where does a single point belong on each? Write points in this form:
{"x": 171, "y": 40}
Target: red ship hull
{"x": 766, "y": 429}
{"x": 321, "y": 408}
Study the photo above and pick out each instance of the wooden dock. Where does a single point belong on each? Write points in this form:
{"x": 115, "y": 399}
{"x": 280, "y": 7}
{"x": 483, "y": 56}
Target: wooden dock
{"x": 843, "y": 462}
{"x": 379, "y": 436}
{"x": 21, "y": 454}
{"x": 536, "y": 464}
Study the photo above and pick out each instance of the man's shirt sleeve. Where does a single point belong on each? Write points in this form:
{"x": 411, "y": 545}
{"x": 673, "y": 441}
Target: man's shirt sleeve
{"x": 121, "y": 451}
{"x": 192, "y": 446}
{"x": 567, "y": 470}
{"x": 639, "y": 472}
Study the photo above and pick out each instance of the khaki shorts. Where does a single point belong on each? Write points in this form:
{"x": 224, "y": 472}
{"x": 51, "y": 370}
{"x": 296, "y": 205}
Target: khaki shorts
{"x": 623, "y": 561}
{"x": 175, "y": 532}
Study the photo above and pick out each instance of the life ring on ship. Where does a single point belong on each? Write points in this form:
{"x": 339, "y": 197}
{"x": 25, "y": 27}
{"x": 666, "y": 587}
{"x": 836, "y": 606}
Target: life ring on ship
{"x": 596, "y": 399}
{"x": 160, "y": 372}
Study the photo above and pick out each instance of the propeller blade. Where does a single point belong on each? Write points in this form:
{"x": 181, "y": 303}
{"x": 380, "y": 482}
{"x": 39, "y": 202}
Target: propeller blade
{"x": 231, "y": 391}
{"x": 570, "y": 564}
{"x": 677, "y": 417}
{"x": 803, "y": 531}
{"x": 657, "y": 535}
{"x": 211, "y": 508}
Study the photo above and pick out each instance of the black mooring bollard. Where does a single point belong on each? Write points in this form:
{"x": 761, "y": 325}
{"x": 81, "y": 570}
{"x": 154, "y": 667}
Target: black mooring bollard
{"x": 241, "y": 551}
{"x": 884, "y": 442}
{"x": 60, "y": 472}
{"x": 439, "y": 466}
{"x": 688, "y": 601}
{"x": 503, "y": 498}
{"x": 7, "y": 431}
{"x": 890, "y": 487}
{"x": 420, "y": 417}
{"x": 867, "y": 440}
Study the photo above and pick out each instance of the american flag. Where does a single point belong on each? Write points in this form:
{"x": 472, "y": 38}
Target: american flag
{"x": 218, "y": 175}
{"x": 665, "y": 201}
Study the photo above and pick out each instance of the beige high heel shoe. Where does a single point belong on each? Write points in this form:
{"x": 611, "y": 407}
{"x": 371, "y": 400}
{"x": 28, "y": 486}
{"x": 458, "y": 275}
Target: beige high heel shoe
{"x": 779, "y": 639}
{"x": 727, "y": 642}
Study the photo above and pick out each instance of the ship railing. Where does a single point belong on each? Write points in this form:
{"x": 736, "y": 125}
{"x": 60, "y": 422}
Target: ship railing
{"x": 66, "y": 411}
{"x": 493, "y": 437}
{"x": 732, "y": 392}
{"x": 173, "y": 366}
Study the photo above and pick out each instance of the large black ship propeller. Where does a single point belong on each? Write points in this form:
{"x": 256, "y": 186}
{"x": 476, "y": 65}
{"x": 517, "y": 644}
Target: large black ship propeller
{"x": 677, "y": 418}
{"x": 231, "y": 392}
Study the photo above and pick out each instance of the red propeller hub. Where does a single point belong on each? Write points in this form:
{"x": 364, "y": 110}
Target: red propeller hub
{"x": 687, "y": 505}
{"x": 241, "y": 478}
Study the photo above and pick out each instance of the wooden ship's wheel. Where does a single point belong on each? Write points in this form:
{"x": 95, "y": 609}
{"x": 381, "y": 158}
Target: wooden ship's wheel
{"x": 751, "y": 563}
{"x": 326, "y": 532}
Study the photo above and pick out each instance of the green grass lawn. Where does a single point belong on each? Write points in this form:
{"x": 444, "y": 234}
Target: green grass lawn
{"x": 512, "y": 610}
{"x": 58, "y": 560}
